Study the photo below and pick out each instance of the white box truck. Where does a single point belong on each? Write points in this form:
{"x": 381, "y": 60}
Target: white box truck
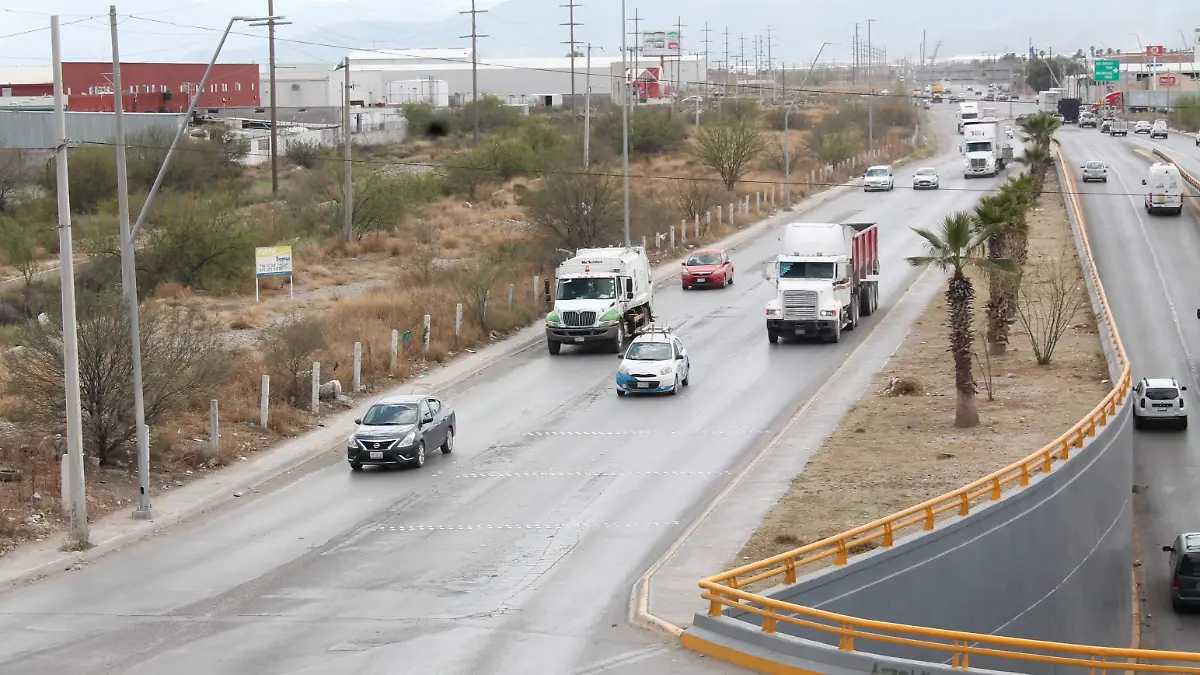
{"x": 985, "y": 148}
{"x": 967, "y": 110}
{"x": 601, "y": 295}
{"x": 826, "y": 276}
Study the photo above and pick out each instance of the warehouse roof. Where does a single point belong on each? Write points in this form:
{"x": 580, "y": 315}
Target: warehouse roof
{"x": 26, "y": 75}
{"x": 548, "y": 63}
{"x": 414, "y": 54}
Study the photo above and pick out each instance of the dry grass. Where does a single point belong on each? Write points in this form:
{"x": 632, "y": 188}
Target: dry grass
{"x": 897, "y": 446}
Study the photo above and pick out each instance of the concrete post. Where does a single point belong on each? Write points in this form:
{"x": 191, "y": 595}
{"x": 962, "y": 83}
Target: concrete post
{"x": 746, "y": 208}
{"x": 357, "y": 367}
{"x": 757, "y": 202}
{"x": 697, "y": 221}
{"x": 316, "y": 387}
{"x": 214, "y": 428}
{"x": 512, "y": 296}
{"x": 683, "y": 232}
{"x": 672, "y": 238}
{"x": 395, "y": 351}
{"x": 708, "y": 220}
{"x": 64, "y": 477}
{"x": 426, "y": 330}
{"x": 720, "y": 218}
{"x": 537, "y": 297}
{"x": 457, "y": 323}
{"x": 264, "y": 403}
{"x": 731, "y": 214}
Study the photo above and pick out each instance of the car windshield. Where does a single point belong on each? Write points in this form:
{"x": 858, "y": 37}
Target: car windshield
{"x": 649, "y": 351}
{"x": 877, "y": 172}
{"x": 705, "y": 259}
{"x": 979, "y": 146}
{"x": 385, "y": 414}
{"x": 1189, "y": 565}
{"x": 1162, "y": 394}
{"x": 1095, "y": 165}
{"x": 926, "y": 172}
{"x": 806, "y": 270}
{"x": 587, "y": 289}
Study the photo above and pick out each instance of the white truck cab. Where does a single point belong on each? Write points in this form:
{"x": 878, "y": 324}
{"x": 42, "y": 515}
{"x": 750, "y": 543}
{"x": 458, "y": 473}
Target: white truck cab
{"x": 1164, "y": 188}
{"x": 601, "y": 295}
{"x": 985, "y": 147}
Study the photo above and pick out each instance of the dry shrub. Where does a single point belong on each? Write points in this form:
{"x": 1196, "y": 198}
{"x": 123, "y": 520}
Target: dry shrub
{"x": 172, "y": 290}
{"x": 374, "y": 242}
{"x": 903, "y": 386}
{"x": 450, "y": 242}
{"x": 36, "y": 485}
{"x": 309, "y": 253}
{"x": 399, "y": 247}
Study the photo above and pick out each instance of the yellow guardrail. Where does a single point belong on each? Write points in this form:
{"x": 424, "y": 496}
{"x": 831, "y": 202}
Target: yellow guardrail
{"x": 1191, "y": 180}
{"x": 726, "y": 590}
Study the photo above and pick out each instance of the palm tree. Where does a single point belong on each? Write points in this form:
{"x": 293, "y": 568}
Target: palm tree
{"x": 996, "y": 212}
{"x": 957, "y": 244}
{"x": 1039, "y": 160}
{"x": 1040, "y": 129}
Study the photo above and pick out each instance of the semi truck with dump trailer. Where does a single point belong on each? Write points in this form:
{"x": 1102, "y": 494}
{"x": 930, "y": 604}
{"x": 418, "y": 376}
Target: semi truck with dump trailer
{"x": 601, "y": 295}
{"x": 826, "y": 277}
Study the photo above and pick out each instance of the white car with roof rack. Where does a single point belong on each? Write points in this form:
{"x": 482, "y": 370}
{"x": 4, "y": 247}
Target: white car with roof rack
{"x": 656, "y": 362}
{"x": 1159, "y": 399}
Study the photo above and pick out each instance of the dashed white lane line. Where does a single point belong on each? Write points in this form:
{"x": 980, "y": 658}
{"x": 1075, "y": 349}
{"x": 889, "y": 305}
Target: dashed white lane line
{"x": 540, "y": 526}
{"x": 553, "y": 474}
{"x": 652, "y": 432}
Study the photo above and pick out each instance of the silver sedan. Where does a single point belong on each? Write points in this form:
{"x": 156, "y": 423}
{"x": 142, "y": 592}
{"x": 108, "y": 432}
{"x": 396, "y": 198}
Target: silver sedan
{"x": 926, "y": 179}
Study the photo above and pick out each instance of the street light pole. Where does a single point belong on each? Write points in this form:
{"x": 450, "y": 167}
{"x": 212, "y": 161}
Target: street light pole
{"x": 787, "y": 148}
{"x": 347, "y": 158}
{"x": 625, "y": 123}
{"x": 77, "y": 537}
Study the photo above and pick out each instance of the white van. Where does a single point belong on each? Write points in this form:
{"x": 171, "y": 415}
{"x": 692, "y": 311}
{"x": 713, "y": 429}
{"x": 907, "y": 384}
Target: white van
{"x": 1164, "y": 188}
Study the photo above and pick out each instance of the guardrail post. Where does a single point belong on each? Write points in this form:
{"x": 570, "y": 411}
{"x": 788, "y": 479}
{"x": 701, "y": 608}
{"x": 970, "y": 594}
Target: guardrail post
{"x": 1024, "y": 475}
{"x": 1048, "y": 459}
{"x": 842, "y": 553}
{"x": 757, "y": 202}
{"x": 396, "y": 346}
{"x": 214, "y": 430}
{"x": 846, "y": 640}
{"x": 889, "y": 534}
{"x": 997, "y": 493}
{"x": 457, "y": 323}
{"x": 316, "y": 387}
{"x": 720, "y": 218}
{"x": 512, "y": 288}
{"x": 427, "y": 329}
{"x": 357, "y": 367}
{"x": 683, "y": 232}
{"x": 768, "y": 625}
{"x": 964, "y": 507}
{"x": 789, "y": 571}
{"x": 264, "y": 402}
{"x": 697, "y": 221}
{"x": 672, "y": 238}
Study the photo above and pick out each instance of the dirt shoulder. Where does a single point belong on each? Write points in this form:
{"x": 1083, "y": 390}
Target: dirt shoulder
{"x": 890, "y": 452}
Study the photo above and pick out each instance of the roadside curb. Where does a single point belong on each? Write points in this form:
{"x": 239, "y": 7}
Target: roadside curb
{"x": 297, "y": 451}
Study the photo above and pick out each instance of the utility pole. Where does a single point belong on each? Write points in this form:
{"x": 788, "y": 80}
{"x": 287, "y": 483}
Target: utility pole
{"x": 348, "y": 190}
{"x": 270, "y": 23}
{"x": 870, "y": 55}
{"x": 679, "y": 26}
{"x": 625, "y": 119}
{"x": 129, "y": 271}
{"x": 571, "y": 26}
{"x": 637, "y": 35}
{"x": 741, "y": 55}
{"x": 706, "y": 43}
{"x": 771, "y": 63}
{"x": 787, "y": 148}
{"x": 726, "y": 87}
{"x": 474, "y": 68}
{"x": 854, "y": 58}
{"x": 921, "y": 78}
{"x": 587, "y": 111}
{"x": 77, "y": 537}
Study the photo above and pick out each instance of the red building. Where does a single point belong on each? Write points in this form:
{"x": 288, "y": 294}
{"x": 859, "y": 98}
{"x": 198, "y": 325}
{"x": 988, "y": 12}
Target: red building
{"x": 26, "y": 81}
{"x": 159, "y": 87}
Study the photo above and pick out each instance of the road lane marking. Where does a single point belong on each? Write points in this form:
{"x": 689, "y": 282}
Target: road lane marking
{"x": 620, "y": 660}
{"x": 558, "y": 474}
{"x": 520, "y": 526}
{"x": 650, "y": 432}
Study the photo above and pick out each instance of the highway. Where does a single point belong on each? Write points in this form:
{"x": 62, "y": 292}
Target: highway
{"x": 515, "y": 554}
{"x": 1148, "y": 264}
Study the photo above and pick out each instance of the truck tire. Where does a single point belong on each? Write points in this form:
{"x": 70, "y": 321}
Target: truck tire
{"x": 618, "y": 341}
{"x": 837, "y": 333}
{"x": 853, "y": 323}
{"x": 864, "y": 300}
{"x": 553, "y": 347}
{"x": 772, "y": 337}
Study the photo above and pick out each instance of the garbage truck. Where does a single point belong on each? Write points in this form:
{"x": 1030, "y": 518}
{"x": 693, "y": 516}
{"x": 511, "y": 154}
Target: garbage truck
{"x": 601, "y": 295}
{"x": 826, "y": 277}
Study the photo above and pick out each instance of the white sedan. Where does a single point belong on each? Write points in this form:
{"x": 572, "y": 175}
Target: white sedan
{"x": 926, "y": 179}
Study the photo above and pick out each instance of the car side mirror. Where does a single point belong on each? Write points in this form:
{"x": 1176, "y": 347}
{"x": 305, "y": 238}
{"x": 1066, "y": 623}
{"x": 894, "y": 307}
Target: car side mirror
{"x": 1198, "y": 314}
{"x": 1168, "y": 549}
{"x": 629, "y": 289}
{"x": 1143, "y": 181}
{"x": 1183, "y": 388}
{"x": 683, "y": 263}
{"x": 428, "y": 419}
{"x": 621, "y": 355}
{"x": 360, "y": 421}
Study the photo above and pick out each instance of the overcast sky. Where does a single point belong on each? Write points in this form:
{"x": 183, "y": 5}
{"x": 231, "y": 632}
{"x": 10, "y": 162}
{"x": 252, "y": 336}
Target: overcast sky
{"x": 183, "y": 30}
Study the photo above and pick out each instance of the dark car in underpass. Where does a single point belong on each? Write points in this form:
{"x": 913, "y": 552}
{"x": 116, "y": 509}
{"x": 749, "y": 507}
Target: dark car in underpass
{"x": 1184, "y": 569}
{"x": 401, "y": 430}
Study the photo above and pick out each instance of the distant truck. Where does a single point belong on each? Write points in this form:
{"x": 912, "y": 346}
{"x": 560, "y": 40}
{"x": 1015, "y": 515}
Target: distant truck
{"x": 1119, "y": 127}
{"x": 826, "y": 277}
{"x": 1069, "y": 109}
{"x": 967, "y": 110}
{"x": 937, "y": 93}
{"x": 985, "y": 148}
{"x": 602, "y": 295}
{"x": 1048, "y": 100}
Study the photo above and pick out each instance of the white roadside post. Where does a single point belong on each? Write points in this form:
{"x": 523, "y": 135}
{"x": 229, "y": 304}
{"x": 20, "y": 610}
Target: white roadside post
{"x": 426, "y": 331}
{"x": 757, "y": 202}
{"x": 264, "y": 403}
{"x": 512, "y": 290}
{"x": 357, "y": 367}
{"x": 696, "y": 220}
{"x": 214, "y": 430}
{"x": 457, "y": 324}
{"x": 683, "y": 232}
{"x": 708, "y": 220}
{"x": 644, "y": 243}
{"x": 537, "y": 301}
{"x": 672, "y": 239}
{"x": 395, "y": 351}
{"x": 720, "y": 218}
{"x": 75, "y": 486}
{"x": 316, "y": 387}
{"x": 731, "y": 213}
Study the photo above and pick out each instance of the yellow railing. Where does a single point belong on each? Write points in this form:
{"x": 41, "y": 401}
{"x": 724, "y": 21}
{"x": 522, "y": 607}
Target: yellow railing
{"x": 726, "y": 590}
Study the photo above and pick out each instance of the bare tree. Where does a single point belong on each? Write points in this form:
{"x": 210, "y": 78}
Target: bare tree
{"x": 729, "y": 146}
{"x": 14, "y": 170}
{"x": 1051, "y": 296}
{"x": 577, "y": 210}
{"x": 290, "y": 352}
{"x": 18, "y": 242}
{"x": 695, "y": 198}
{"x": 475, "y": 279}
{"x": 182, "y": 361}
{"x": 779, "y": 160}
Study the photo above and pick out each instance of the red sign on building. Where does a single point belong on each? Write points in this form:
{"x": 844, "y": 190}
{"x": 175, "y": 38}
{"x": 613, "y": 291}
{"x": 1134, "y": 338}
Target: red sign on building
{"x": 160, "y": 87}
{"x": 1154, "y": 50}
{"x": 1166, "y": 80}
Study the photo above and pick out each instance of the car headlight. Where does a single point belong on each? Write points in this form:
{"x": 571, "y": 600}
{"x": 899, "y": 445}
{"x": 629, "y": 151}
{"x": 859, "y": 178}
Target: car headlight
{"x": 623, "y": 369}
{"x": 351, "y": 443}
{"x": 610, "y": 318}
{"x": 829, "y": 312}
{"x": 666, "y": 370}
{"x": 774, "y": 312}
{"x": 553, "y": 319}
{"x": 409, "y": 438}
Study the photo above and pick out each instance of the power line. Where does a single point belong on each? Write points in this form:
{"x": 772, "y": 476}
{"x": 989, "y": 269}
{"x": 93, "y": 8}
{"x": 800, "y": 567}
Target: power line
{"x": 571, "y": 26}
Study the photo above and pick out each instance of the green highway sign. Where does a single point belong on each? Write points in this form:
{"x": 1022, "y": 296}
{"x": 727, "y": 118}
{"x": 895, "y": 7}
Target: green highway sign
{"x": 1108, "y": 70}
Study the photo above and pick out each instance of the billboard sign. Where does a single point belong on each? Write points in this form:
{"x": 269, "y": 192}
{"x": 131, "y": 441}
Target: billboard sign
{"x": 1166, "y": 80}
{"x": 1154, "y": 50}
{"x": 1108, "y": 70}
{"x": 660, "y": 43}
{"x": 272, "y": 261}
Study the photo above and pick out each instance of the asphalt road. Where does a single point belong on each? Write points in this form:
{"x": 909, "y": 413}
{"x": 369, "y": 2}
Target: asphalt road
{"x": 1151, "y": 278}
{"x": 516, "y": 553}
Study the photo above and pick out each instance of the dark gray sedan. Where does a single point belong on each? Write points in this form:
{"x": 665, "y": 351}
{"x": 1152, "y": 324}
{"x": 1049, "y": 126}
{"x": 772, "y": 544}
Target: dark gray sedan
{"x": 400, "y": 430}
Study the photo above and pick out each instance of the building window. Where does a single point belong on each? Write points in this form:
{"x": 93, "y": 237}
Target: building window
{"x": 237, "y": 86}
{"x": 224, "y": 87}
{"x": 68, "y": 91}
{"x": 214, "y": 88}
{"x": 251, "y": 86}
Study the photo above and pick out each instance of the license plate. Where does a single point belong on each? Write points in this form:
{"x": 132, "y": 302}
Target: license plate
{"x": 643, "y": 385}
{"x": 701, "y": 281}
{"x": 376, "y": 455}
{"x": 1162, "y": 406}
{"x": 1159, "y": 198}
{"x": 579, "y": 339}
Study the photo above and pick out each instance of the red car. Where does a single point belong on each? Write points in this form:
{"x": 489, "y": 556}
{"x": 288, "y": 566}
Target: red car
{"x": 707, "y": 268}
